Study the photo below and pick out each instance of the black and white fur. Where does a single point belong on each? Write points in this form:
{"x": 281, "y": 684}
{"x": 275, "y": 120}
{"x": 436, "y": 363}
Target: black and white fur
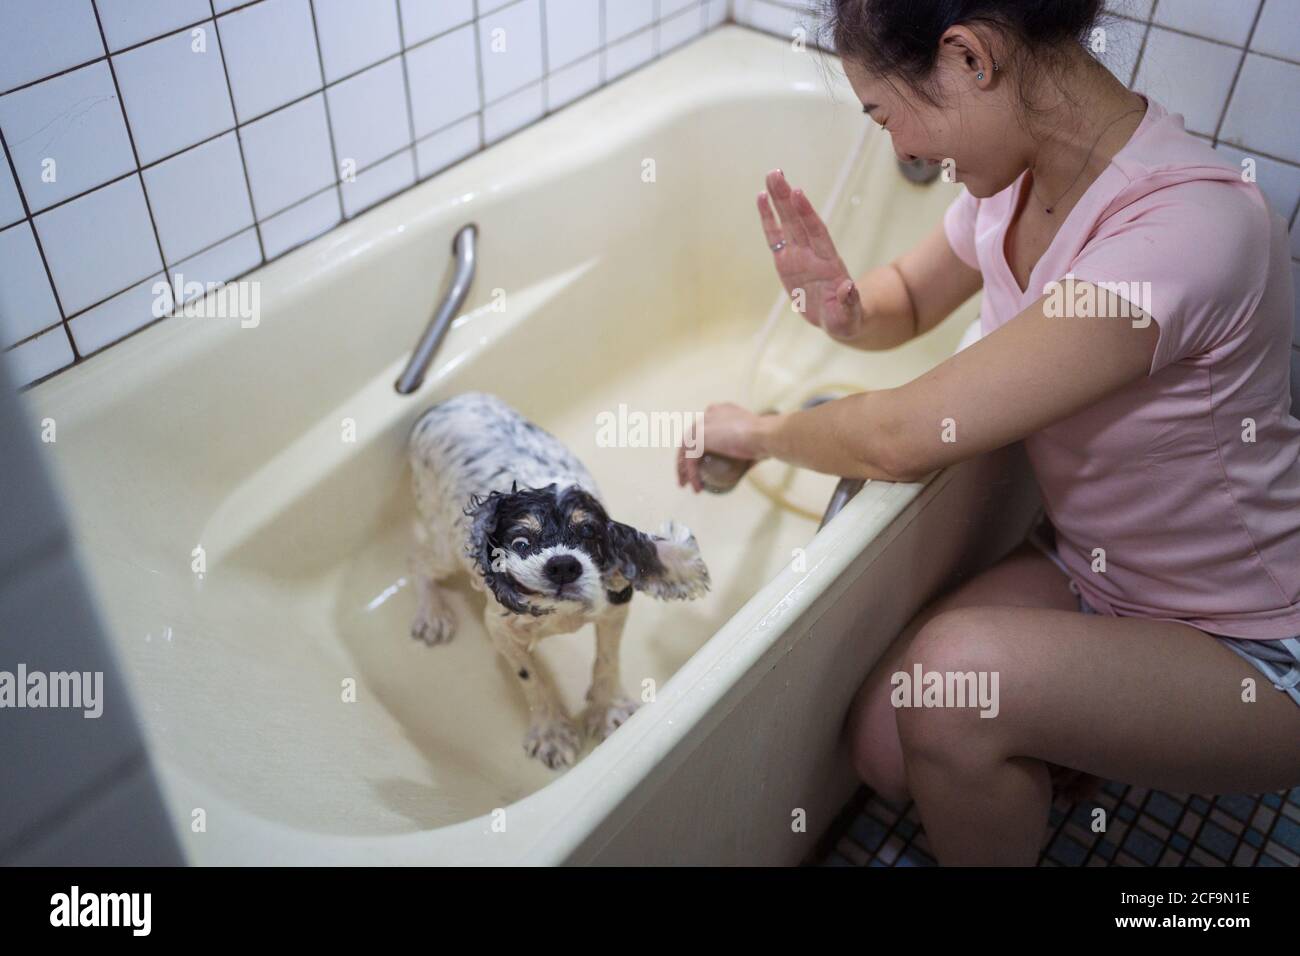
{"x": 507, "y": 502}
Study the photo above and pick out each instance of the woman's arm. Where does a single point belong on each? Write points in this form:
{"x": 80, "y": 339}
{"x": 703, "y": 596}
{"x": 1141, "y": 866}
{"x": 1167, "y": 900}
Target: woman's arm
{"x": 912, "y": 294}
{"x": 1033, "y": 371}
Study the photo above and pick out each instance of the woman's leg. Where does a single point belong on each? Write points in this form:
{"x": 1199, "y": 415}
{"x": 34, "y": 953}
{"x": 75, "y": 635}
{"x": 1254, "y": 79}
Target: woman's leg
{"x": 1154, "y": 703}
{"x": 1025, "y": 578}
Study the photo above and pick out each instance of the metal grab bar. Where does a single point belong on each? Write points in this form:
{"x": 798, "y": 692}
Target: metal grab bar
{"x": 463, "y": 248}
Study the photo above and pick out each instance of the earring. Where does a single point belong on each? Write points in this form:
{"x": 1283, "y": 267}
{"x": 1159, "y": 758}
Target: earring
{"x": 979, "y": 75}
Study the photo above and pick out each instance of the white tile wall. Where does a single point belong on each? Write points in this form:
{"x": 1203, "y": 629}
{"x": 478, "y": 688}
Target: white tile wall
{"x": 99, "y": 244}
{"x": 355, "y": 34}
{"x": 174, "y": 91}
{"x": 368, "y": 115}
{"x": 66, "y": 135}
{"x": 127, "y": 22}
{"x": 301, "y": 223}
{"x": 378, "y": 182}
{"x": 572, "y": 30}
{"x": 1278, "y": 32}
{"x": 510, "y": 48}
{"x": 444, "y": 80}
{"x": 1266, "y": 88}
{"x": 1229, "y": 22}
{"x": 11, "y": 204}
{"x": 289, "y": 155}
{"x": 437, "y": 152}
{"x": 624, "y": 17}
{"x": 26, "y": 300}
{"x": 1188, "y": 75}
{"x": 422, "y": 19}
{"x": 568, "y": 83}
{"x": 40, "y": 39}
{"x": 625, "y": 55}
{"x": 270, "y": 51}
{"x": 141, "y": 138}
{"x": 199, "y": 197}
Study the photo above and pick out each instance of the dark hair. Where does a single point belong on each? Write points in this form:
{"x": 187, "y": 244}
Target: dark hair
{"x": 900, "y": 38}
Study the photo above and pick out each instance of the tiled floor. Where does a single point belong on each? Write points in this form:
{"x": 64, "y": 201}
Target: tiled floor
{"x": 1144, "y": 828}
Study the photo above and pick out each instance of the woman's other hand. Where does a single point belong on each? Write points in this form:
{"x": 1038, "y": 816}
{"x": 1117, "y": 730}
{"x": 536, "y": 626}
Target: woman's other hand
{"x": 808, "y": 259}
{"x": 724, "y": 429}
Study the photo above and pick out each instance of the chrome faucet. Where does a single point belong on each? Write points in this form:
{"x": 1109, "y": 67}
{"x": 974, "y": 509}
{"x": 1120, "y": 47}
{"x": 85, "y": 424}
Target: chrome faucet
{"x": 463, "y": 248}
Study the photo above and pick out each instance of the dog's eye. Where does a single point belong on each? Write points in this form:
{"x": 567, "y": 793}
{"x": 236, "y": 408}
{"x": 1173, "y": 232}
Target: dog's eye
{"x": 520, "y": 545}
{"x": 587, "y": 529}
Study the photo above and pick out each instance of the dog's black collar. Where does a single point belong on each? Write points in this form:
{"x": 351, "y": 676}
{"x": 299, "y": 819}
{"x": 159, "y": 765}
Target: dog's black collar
{"x": 619, "y": 597}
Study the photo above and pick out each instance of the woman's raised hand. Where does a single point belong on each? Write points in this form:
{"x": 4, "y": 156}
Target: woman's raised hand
{"x": 806, "y": 259}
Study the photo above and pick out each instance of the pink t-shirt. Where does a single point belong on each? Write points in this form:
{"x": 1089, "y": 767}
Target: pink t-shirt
{"x": 1197, "y": 523}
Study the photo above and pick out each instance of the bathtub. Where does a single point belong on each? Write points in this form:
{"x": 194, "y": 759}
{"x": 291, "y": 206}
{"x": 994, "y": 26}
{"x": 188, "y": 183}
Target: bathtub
{"x": 250, "y": 558}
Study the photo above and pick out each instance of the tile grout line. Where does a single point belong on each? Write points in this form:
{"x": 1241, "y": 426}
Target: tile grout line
{"x": 130, "y": 47}
{"x": 239, "y": 140}
{"x": 1277, "y": 815}
{"x": 1178, "y": 822}
{"x": 30, "y": 222}
{"x": 406, "y": 85}
{"x": 1142, "y": 48}
{"x": 478, "y": 72}
{"x": 1196, "y": 838}
{"x": 1241, "y": 837}
{"x": 1236, "y": 75}
{"x": 603, "y": 17}
{"x": 546, "y": 58}
{"x": 135, "y": 152}
{"x": 325, "y": 104}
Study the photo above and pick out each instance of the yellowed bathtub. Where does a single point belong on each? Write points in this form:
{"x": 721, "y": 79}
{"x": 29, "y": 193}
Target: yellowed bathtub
{"x": 595, "y": 287}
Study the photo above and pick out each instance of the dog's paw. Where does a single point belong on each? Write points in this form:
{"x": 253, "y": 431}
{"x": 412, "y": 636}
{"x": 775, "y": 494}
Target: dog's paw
{"x": 604, "y": 717}
{"x": 555, "y": 743}
{"x": 433, "y": 625}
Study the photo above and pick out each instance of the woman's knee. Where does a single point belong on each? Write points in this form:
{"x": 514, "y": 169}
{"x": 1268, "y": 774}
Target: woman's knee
{"x": 964, "y": 650}
{"x": 873, "y": 742}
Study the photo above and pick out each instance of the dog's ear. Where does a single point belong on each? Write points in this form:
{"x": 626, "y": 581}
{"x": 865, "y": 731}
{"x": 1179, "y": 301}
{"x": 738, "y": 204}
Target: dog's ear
{"x": 484, "y": 511}
{"x": 667, "y": 565}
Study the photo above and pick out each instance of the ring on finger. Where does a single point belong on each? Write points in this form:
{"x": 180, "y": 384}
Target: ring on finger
{"x": 778, "y": 246}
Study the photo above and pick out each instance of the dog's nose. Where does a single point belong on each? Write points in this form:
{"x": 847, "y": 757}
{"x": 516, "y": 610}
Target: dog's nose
{"x": 563, "y": 568}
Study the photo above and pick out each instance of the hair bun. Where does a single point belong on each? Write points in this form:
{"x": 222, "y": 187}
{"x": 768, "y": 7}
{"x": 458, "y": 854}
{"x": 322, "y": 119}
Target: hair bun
{"x": 901, "y": 37}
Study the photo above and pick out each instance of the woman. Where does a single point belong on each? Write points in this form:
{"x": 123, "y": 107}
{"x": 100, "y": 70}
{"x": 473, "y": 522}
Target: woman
{"x": 1159, "y": 430}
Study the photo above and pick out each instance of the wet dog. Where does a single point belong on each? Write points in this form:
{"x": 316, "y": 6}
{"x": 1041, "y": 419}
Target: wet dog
{"x": 507, "y": 502}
